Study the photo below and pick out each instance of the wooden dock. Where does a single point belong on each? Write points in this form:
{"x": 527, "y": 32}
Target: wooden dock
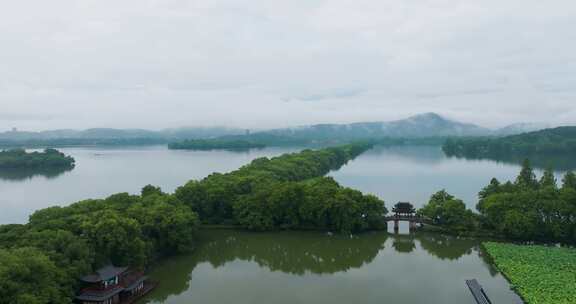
{"x": 478, "y": 292}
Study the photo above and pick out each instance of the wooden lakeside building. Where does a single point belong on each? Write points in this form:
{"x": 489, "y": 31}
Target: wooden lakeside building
{"x": 113, "y": 285}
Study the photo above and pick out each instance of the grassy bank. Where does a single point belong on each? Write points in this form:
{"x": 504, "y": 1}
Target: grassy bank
{"x": 540, "y": 274}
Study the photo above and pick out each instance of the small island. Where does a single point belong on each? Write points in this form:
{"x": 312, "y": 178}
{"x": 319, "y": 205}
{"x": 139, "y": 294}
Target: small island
{"x": 215, "y": 144}
{"x": 47, "y": 159}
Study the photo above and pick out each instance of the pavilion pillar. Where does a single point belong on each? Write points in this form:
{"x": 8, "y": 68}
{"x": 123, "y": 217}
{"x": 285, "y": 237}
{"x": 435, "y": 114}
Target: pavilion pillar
{"x": 412, "y": 226}
{"x": 396, "y": 226}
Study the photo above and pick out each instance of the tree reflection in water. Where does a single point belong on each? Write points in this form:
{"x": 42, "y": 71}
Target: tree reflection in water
{"x": 19, "y": 174}
{"x": 294, "y": 253}
{"x": 446, "y": 247}
{"x": 297, "y": 253}
{"x": 558, "y": 161}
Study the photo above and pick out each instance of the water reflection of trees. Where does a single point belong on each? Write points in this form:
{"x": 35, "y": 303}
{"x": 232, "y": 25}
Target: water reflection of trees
{"x": 421, "y": 154}
{"x": 19, "y": 174}
{"x": 446, "y": 247}
{"x": 297, "y": 253}
{"x": 558, "y": 161}
{"x": 289, "y": 252}
{"x": 174, "y": 275}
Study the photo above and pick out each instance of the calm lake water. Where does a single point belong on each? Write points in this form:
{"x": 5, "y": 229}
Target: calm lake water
{"x": 414, "y": 173}
{"x": 308, "y": 267}
{"x": 394, "y": 174}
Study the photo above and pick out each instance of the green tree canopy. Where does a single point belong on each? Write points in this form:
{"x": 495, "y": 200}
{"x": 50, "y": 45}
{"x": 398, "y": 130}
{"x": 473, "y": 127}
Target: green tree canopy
{"x": 569, "y": 181}
{"x": 446, "y": 210}
{"x": 527, "y": 178}
{"x": 27, "y": 276}
{"x": 548, "y": 179}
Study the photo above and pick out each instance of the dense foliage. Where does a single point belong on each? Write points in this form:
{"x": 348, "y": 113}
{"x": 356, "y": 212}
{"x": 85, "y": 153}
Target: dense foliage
{"x": 443, "y": 209}
{"x": 277, "y": 193}
{"x": 531, "y": 209}
{"x": 215, "y": 144}
{"x": 27, "y": 276}
{"x": 541, "y": 275}
{"x": 49, "y": 158}
{"x": 560, "y": 140}
{"x": 42, "y": 260}
{"x": 528, "y": 209}
{"x": 318, "y": 203}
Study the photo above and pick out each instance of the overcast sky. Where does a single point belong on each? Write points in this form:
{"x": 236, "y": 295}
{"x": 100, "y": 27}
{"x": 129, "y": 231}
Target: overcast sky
{"x": 266, "y": 63}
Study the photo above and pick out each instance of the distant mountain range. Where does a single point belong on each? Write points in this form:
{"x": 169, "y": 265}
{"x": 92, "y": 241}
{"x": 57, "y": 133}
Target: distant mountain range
{"x": 108, "y": 133}
{"x": 418, "y": 126}
{"x": 519, "y": 128}
{"x": 423, "y": 125}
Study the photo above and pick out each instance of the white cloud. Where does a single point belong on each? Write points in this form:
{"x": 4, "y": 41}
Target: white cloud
{"x": 166, "y": 63}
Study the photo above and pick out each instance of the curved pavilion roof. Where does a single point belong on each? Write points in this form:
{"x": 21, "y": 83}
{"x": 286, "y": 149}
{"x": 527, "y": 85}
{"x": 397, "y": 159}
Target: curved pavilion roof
{"x": 103, "y": 274}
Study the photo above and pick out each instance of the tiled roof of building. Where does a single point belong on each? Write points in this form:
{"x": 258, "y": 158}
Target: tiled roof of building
{"x": 103, "y": 274}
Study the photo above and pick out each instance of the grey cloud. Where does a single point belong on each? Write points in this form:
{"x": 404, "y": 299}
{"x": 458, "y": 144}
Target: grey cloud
{"x": 26, "y": 117}
{"x": 331, "y": 94}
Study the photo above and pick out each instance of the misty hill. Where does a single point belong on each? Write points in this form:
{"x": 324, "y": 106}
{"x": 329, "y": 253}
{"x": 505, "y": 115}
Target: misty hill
{"x": 519, "y": 128}
{"x": 423, "y": 125}
{"x": 108, "y": 133}
{"x": 428, "y": 125}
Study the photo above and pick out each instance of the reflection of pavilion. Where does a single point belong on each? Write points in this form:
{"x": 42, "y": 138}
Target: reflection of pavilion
{"x": 404, "y": 243}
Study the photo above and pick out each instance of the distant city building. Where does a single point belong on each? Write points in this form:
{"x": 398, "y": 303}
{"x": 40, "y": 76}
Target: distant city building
{"x": 14, "y": 129}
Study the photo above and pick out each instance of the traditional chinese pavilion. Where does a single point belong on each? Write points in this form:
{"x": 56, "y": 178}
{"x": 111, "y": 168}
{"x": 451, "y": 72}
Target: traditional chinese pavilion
{"x": 404, "y": 209}
{"x": 113, "y": 285}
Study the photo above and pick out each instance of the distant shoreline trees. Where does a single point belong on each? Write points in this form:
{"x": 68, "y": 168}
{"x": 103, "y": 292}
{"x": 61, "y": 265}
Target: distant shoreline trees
{"x": 215, "y": 144}
{"x": 560, "y": 140}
